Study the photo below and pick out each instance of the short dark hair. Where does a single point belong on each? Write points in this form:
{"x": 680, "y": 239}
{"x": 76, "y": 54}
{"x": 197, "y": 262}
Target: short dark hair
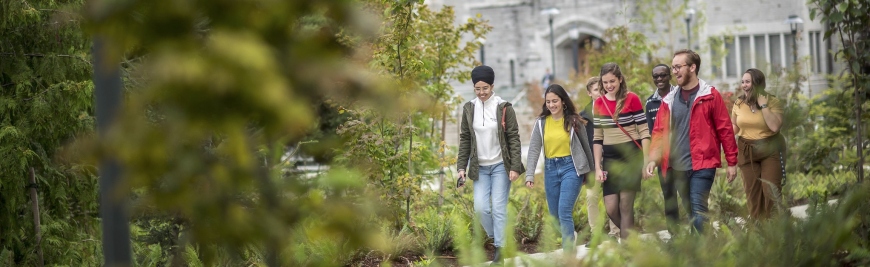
{"x": 693, "y": 58}
{"x": 663, "y": 65}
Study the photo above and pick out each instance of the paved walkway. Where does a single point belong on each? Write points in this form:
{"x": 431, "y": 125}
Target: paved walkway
{"x": 582, "y": 250}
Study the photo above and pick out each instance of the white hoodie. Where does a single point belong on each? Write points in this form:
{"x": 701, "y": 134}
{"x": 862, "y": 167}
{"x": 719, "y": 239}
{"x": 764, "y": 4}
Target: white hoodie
{"x": 485, "y": 128}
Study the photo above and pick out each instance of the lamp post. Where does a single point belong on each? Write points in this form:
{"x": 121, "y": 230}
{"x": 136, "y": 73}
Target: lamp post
{"x": 690, "y": 13}
{"x": 575, "y": 48}
{"x": 482, "y": 48}
{"x": 550, "y": 13}
{"x": 794, "y": 22}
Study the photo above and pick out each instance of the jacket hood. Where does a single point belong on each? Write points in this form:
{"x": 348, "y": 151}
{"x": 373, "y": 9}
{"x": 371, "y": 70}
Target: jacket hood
{"x": 476, "y": 101}
{"x": 705, "y": 89}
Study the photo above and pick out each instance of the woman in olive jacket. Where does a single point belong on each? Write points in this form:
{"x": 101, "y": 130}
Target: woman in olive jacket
{"x": 489, "y": 154}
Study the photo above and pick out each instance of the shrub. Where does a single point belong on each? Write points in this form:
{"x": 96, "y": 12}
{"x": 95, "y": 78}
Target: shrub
{"x": 432, "y": 229}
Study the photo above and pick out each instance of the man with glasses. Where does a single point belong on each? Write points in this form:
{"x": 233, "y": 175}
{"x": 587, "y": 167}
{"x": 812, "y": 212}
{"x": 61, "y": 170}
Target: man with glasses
{"x": 661, "y": 75}
{"x": 691, "y": 125}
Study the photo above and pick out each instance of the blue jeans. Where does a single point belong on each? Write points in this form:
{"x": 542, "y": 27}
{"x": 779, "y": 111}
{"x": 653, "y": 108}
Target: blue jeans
{"x": 490, "y": 200}
{"x": 700, "y": 183}
{"x": 562, "y": 186}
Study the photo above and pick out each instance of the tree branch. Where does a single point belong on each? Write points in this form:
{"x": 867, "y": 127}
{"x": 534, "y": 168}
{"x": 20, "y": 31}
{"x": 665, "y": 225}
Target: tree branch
{"x": 44, "y": 55}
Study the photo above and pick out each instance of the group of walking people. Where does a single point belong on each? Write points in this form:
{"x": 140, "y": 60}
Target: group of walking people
{"x": 679, "y": 135}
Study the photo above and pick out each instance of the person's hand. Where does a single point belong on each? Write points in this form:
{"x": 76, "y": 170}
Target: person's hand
{"x": 462, "y": 177}
{"x": 732, "y": 173}
{"x": 762, "y": 100}
{"x": 599, "y": 175}
{"x": 530, "y": 184}
{"x": 514, "y": 175}
{"x": 650, "y": 168}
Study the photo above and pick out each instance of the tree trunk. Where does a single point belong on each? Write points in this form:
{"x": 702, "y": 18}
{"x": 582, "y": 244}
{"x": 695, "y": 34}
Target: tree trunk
{"x": 37, "y": 229}
{"x": 859, "y": 137}
{"x": 441, "y": 179}
{"x": 410, "y": 167}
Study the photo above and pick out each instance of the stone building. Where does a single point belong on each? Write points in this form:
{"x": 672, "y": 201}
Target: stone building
{"x": 519, "y": 46}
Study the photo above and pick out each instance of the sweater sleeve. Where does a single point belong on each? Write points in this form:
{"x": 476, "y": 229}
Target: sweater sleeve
{"x": 597, "y": 131}
{"x": 535, "y": 144}
{"x": 641, "y": 119}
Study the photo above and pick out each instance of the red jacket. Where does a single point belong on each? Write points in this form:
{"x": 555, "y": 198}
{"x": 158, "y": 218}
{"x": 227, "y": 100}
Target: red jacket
{"x": 709, "y": 127}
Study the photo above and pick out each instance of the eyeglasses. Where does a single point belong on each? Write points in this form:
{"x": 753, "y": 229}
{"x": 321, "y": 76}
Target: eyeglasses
{"x": 678, "y": 67}
{"x": 660, "y": 76}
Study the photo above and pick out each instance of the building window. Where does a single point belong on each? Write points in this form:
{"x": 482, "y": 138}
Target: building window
{"x": 730, "y": 59}
{"x": 772, "y": 52}
{"x": 776, "y": 53}
{"x": 818, "y": 52}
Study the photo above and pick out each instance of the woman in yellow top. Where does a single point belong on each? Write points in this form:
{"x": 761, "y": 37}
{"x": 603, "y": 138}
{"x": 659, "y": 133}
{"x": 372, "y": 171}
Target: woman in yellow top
{"x": 757, "y": 119}
{"x": 561, "y": 132}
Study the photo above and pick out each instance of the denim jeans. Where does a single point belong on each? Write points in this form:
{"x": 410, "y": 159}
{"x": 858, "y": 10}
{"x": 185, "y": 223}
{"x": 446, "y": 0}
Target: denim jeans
{"x": 700, "y": 183}
{"x": 673, "y": 183}
{"x": 562, "y": 186}
{"x": 490, "y": 200}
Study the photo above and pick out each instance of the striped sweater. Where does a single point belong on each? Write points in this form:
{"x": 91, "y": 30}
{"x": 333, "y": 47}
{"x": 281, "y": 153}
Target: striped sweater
{"x": 632, "y": 118}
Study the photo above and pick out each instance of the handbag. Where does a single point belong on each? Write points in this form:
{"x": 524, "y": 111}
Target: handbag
{"x": 616, "y": 121}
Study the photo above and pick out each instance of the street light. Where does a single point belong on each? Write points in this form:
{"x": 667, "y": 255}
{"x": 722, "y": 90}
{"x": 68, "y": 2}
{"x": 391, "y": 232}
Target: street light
{"x": 550, "y": 13}
{"x": 482, "y": 48}
{"x": 690, "y": 13}
{"x": 794, "y": 22}
{"x": 575, "y": 48}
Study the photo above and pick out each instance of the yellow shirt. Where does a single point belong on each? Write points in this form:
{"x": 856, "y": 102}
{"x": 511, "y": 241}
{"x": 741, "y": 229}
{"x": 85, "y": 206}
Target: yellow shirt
{"x": 752, "y": 125}
{"x": 556, "y": 140}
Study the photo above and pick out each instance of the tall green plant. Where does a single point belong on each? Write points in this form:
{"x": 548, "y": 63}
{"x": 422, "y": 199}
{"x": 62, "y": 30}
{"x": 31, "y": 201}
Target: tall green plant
{"x": 46, "y": 100}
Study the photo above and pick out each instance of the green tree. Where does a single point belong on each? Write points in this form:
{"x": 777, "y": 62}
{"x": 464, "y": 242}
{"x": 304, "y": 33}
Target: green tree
{"x": 45, "y": 102}
{"x": 420, "y": 50}
{"x": 628, "y": 49}
{"x": 848, "y": 22}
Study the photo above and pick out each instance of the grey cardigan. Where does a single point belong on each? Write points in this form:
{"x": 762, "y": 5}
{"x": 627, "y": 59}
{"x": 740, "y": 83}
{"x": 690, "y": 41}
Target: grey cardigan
{"x": 581, "y": 152}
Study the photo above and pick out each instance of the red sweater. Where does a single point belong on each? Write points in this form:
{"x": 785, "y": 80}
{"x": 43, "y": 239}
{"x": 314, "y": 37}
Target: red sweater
{"x": 632, "y": 118}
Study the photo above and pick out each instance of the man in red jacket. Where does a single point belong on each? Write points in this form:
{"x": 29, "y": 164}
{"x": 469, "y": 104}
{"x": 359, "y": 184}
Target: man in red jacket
{"x": 691, "y": 125}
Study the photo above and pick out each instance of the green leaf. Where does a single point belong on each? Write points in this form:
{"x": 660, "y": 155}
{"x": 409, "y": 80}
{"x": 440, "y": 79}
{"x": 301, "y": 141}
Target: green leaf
{"x": 843, "y": 7}
{"x": 835, "y": 17}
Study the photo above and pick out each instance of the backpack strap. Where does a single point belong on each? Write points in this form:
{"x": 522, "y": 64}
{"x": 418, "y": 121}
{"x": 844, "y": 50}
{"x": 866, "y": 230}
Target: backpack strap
{"x": 503, "y": 112}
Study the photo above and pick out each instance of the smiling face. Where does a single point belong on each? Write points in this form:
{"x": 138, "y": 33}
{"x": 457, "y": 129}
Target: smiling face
{"x": 554, "y": 104}
{"x": 746, "y": 84}
{"x": 594, "y": 91}
{"x": 483, "y": 90}
{"x": 611, "y": 84}
{"x": 684, "y": 72}
{"x": 661, "y": 77}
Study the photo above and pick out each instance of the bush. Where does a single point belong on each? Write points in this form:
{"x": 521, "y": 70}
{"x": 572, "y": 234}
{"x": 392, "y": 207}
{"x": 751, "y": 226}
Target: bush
{"x": 432, "y": 229}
